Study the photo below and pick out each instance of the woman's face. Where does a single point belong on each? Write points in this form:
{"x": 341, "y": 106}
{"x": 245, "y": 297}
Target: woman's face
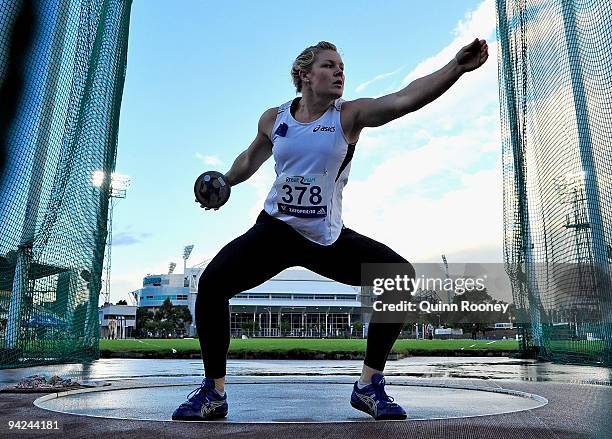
{"x": 326, "y": 76}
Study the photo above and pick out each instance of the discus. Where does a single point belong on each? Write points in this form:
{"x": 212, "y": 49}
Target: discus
{"x": 211, "y": 190}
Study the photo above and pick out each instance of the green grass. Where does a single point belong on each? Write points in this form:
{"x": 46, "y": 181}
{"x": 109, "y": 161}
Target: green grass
{"x": 581, "y": 346}
{"x": 47, "y": 345}
{"x": 320, "y": 345}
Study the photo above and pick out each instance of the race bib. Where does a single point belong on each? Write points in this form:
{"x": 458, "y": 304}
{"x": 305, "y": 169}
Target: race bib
{"x": 303, "y": 196}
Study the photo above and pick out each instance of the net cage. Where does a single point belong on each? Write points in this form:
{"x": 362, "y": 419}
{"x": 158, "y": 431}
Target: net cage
{"x": 555, "y": 86}
{"x": 62, "y": 70}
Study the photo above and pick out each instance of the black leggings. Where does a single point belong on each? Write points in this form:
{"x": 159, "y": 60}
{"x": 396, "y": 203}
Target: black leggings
{"x": 268, "y": 248}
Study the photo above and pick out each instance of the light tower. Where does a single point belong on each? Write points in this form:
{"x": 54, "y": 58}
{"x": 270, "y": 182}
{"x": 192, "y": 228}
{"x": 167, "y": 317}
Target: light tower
{"x": 448, "y": 292}
{"x": 186, "y": 253}
{"x": 580, "y": 276}
{"x": 117, "y": 190}
{"x": 171, "y": 267}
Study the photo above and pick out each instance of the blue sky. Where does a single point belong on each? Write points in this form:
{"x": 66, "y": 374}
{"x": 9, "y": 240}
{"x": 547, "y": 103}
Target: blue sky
{"x": 200, "y": 74}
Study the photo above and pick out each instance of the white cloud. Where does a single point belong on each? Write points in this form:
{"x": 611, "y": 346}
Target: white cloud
{"x": 361, "y": 87}
{"x": 479, "y": 23}
{"x": 212, "y": 160}
{"x": 370, "y": 142}
{"x": 420, "y": 228}
{"x": 261, "y": 181}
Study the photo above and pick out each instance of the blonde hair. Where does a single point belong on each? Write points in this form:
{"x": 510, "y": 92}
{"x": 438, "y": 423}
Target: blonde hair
{"x": 306, "y": 59}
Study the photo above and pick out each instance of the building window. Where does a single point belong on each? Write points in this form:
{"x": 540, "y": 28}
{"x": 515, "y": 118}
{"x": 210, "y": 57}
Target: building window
{"x": 346, "y": 297}
{"x": 295, "y": 324}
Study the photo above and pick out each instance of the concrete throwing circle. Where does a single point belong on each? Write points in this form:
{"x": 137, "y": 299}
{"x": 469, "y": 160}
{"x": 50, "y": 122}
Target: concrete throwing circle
{"x": 293, "y": 401}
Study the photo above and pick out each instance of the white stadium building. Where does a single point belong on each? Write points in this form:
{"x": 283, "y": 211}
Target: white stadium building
{"x": 296, "y": 302}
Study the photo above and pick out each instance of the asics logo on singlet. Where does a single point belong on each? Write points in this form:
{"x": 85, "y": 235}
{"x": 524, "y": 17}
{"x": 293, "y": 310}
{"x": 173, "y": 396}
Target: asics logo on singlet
{"x": 323, "y": 128}
{"x": 300, "y": 179}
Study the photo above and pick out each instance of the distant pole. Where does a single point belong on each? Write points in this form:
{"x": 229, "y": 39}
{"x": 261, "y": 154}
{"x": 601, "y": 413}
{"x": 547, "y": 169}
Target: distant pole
{"x": 118, "y": 188}
{"x": 186, "y": 253}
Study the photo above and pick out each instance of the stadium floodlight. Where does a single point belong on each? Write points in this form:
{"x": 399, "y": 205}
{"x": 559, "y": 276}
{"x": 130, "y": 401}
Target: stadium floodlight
{"x": 171, "y": 267}
{"x": 97, "y": 178}
{"x": 119, "y": 184}
{"x": 186, "y": 253}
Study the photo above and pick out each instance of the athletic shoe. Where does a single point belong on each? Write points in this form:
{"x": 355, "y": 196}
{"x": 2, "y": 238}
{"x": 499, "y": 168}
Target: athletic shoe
{"x": 373, "y": 400}
{"x": 205, "y": 404}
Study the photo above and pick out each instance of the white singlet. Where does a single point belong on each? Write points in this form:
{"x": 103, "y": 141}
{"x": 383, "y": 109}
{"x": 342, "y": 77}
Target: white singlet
{"x": 312, "y": 164}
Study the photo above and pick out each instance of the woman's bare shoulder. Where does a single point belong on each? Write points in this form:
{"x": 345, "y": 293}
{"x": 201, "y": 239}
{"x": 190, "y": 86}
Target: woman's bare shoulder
{"x": 267, "y": 119}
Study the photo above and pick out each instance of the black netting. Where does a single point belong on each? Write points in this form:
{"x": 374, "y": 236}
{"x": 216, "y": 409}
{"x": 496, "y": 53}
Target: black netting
{"x": 555, "y": 71}
{"x": 62, "y": 67}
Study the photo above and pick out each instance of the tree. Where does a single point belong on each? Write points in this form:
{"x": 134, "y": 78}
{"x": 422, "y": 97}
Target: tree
{"x": 143, "y": 317}
{"x": 173, "y": 319}
{"x": 166, "y": 327}
{"x": 181, "y": 317}
{"x": 122, "y": 302}
{"x": 481, "y": 319}
{"x": 168, "y": 319}
{"x": 165, "y": 311}
{"x": 151, "y": 326}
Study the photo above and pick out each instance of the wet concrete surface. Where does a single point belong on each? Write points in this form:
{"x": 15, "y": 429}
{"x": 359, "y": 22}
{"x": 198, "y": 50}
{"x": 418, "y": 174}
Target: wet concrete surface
{"x": 299, "y": 399}
{"x": 493, "y": 368}
{"x": 573, "y": 411}
{"x": 440, "y": 394}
